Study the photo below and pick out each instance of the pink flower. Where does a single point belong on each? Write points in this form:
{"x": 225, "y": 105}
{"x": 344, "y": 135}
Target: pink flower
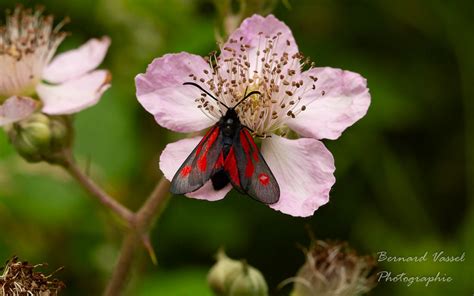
{"x": 260, "y": 55}
{"x": 66, "y": 84}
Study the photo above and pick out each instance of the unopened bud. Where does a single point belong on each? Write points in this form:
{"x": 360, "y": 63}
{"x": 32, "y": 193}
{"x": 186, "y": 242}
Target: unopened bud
{"x": 61, "y": 130}
{"x": 41, "y": 137}
{"x": 230, "y": 277}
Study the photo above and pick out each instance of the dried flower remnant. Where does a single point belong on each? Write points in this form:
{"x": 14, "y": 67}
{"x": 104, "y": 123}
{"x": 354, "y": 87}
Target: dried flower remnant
{"x": 334, "y": 269}
{"x": 261, "y": 55}
{"x": 19, "y": 278}
{"x": 66, "y": 84}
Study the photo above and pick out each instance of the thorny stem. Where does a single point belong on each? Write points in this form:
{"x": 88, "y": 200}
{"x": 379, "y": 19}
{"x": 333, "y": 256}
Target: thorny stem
{"x": 124, "y": 265}
{"x": 139, "y": 222}
{"x": 143, "y": 219}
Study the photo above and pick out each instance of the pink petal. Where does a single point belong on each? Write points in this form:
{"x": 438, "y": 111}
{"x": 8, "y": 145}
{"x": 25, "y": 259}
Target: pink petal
{"x": 252, "y": 32}
{"x": 74, "y": 95}
{"x": 345, "y": 101}
{"x": 173, "y": 157}
{"x": 304, "y": 169}
{"x": 77, "y": 62}
{"x": 16, "y": 108}
{"x": 161, "y": 92}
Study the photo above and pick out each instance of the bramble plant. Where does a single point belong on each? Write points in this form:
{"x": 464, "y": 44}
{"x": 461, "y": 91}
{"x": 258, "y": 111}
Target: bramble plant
{"x": 278, "y": 99}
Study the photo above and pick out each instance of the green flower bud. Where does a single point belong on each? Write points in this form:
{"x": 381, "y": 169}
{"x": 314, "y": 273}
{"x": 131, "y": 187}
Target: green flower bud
{"x": 41, "y": 137}
{"x": 61, "y": 132}
{"x": 248, "y": 281}
{"x": 230, "y": 277}
{"x": 31, "y": 136}
{"x": 220, "y": 271}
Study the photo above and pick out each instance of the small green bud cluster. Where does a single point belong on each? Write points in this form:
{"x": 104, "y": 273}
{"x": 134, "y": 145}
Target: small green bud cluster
{"x": 230, "y": 277}
{"x": 41, "y": 137}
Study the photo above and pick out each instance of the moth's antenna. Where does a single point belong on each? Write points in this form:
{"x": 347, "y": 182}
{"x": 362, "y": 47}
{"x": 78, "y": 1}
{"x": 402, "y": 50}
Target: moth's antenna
{"x": 198, "y": 86}
{"x": 255, "y": 92}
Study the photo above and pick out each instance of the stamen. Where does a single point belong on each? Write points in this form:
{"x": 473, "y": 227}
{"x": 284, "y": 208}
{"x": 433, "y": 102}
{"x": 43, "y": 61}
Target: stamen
{"x": 268, "y": 68}
{"x": 27, "y": 44}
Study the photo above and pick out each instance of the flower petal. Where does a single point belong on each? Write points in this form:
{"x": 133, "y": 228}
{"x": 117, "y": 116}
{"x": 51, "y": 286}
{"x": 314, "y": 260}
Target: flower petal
{"x": 74, "y": 95}
{"x": 173, "y": 157}
{"x": 304, "y": 169}
{"x": 254, "y": 34}
{"x": 260, "y": 41}
{"x": 161, "y": 92}
{"x": 77, "y": 62}
{"x": 346, "y": 99}
{"x": 16, "y": 108}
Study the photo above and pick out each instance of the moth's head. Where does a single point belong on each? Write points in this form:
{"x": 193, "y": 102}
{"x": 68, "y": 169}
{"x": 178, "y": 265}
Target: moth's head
{"x": 231, "y": 114}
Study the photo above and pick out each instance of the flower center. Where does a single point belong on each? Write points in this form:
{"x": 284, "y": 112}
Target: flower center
{"x": 269, "y": 67}
{"x": 28, "y": 41}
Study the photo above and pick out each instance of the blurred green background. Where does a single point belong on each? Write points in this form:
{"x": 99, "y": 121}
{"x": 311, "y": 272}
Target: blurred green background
{"x": 405, "y": 172}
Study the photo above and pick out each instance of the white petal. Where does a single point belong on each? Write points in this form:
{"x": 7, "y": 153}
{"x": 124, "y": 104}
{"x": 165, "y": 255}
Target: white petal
{"x": 173, "y": 157}
{"x": 161, "y": 92}
{"x": 74, "y": 95}
{"x": 346, "y": 99}
{"x": 304, "y": 169}
{"x": 16, "y": 108}
{"x": 77, "y": 62}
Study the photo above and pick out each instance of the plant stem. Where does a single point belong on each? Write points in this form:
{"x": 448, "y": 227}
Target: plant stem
{"x": 153, "y": 205}
{"x": 71, "y": 166}
{"x": 122, "y": 270}
{"x": 143, "y": 219}
{"x": 139, "y": 222}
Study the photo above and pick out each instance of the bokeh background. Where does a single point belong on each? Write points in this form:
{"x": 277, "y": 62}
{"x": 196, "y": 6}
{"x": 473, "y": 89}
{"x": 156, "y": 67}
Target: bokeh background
{"x": 405, "y": 172}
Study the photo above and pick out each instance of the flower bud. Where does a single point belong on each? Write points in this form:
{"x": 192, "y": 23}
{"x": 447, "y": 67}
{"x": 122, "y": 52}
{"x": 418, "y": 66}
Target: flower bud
{"x": 247, "y": 281}
{"x": 230, "y": 277}
{"x": 41, "y": 137}
{"x": 61, "y": 130}
{"x": 334, "y": 269}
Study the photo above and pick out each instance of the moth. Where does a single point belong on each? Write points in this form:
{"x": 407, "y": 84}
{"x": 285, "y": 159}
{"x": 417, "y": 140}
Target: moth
{"x": 227, "y": 153}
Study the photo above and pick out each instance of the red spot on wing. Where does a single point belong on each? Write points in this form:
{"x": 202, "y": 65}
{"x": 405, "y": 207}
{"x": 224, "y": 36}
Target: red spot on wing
{"x": 202, "y": 161}
{"x": 220, "y": 161}
{"x": 185, "y": 171}
{"x": 249, "y": 168}
{"x": 244, "y": 142}
{"x": 264, "y": 179}
{"x": 230, "y": 166}
{"x": 199, "y": 148}
{"x": 248, "y": 140}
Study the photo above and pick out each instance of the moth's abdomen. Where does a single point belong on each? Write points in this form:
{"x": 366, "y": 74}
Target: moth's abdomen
{"x": 219, "y": 180}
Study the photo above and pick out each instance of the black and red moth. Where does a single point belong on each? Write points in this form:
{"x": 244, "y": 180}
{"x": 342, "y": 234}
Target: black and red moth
{"x": 227, "y": 153}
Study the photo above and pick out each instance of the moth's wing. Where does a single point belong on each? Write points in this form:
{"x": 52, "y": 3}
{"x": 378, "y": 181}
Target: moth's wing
{"x": 256, "y": 178}
{"x": 232, "y": 170}
{"x": 198, "y": 168}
